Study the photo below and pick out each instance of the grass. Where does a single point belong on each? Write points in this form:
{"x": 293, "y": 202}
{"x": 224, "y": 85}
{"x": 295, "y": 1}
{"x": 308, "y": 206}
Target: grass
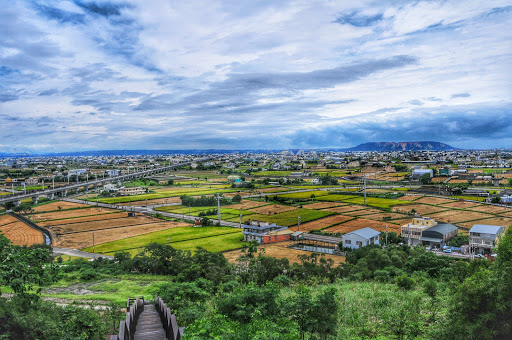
{"x": 334, "y": 198}
{"x": 186, "y": 238}
{"x": 472, "y": 198}
{"x": 306, "y": 194}
{"x": 377, "y": 202}
{"x": 161, "y": 194}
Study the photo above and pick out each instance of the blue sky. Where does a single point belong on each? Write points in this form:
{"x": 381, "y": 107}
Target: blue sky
{"x": 89, "y": 75}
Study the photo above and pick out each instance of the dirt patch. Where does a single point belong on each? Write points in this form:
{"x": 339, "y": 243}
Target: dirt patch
{"x": 455, "y": 216}
{"x": 280, "y": 250}
{"x": 322, "y": 223}
{"x": 272, "y": 209}
{"x": 70, "y": 213}
{"x": 345, "y": 209}
{"x": 84, "y": 240}
{"x": 502, "y": 221}
{"x": 104, "y": 217}
{"x": 56, "y": 205}
{"x": 323, "y": 205}
{"x": 103, "y": 224}
{"x": 247, "y": 204}
{"x": 421, "y": 209}
{"x": 361, "y": 223}
{"x": 493, "y": 209}
{"x": 21, "y": 234}
{"x": 5, "y": 219}
{"x": 461, "y": 205}
{"x": 433, "y": 200}
{"x": 409, "y": 198}
{"x": 76, "y": 289}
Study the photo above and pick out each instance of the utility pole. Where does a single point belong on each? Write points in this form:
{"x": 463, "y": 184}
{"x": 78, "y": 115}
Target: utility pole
{"x": 24, "y": 188}
{"x": 43, "y": 184}
{"x": 240, "y": 218}
{"x": 364, "y": 177}
{"x": 298, "y": 224}
{"x": 53, "y": 182}
{"x": 218, "y": 206}
{"x": 93, "y": 241}
{"x": 386, "y": 236}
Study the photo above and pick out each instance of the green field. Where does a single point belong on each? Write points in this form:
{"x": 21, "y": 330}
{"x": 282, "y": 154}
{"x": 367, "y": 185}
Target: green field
{"x": 334, "y": 198}
{"x": 305, "y": 194}
{"x": 472, "y": 198}
{"x": 214, "y": 239}
{"x": 290, "y": 218}
{"x": 272, "y": 173}
{"x": 162, "y": 194}
{"x": 377, "y": 202}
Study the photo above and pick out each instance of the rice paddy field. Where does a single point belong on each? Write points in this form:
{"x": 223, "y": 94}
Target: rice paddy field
{"x": 18, "y": 232}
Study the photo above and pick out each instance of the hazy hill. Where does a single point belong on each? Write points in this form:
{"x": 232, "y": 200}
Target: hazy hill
{"x": 402, "y": 146}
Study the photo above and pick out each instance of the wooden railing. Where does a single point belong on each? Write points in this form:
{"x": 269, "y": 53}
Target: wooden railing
{"x": 172, "y": 331}
{"x": 128, "y": 326}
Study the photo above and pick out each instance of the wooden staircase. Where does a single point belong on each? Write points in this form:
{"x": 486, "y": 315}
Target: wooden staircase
{"x": 149, "y": 326}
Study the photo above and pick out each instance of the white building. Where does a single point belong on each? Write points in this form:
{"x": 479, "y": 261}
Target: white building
{"x": 482, "y": 237}
{"x": 360, "y": 238}
{"x": 124, "y": 191}
{"x": 417, "y": 173}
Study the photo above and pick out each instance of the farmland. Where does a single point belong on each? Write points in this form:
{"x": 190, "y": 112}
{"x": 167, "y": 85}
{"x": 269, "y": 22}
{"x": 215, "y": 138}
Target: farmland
{"x": 21, "y": 234}
{"x": 323, "y": 223}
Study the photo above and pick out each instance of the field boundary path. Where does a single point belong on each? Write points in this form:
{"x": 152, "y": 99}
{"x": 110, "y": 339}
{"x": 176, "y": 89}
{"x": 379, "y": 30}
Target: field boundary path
{"x": 79, "y": 253}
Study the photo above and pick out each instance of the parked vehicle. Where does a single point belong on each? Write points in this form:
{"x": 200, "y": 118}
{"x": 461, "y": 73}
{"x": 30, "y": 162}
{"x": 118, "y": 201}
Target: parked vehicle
{"x": 447, "y": 250}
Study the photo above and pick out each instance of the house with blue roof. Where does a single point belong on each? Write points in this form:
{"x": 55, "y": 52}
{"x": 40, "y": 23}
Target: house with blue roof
{"x": 360, "y": 238}
{"x": 483, "y": 238}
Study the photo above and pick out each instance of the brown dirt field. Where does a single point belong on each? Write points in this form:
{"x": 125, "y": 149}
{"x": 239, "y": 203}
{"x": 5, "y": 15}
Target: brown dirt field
{"x": 272, "y": 209}
{"x": 322, "y": 223}
{"x": 4, "y": 219}
{"x": 379, "y": 217}
{"x": 323, "y": 205}
{"x": 421, "y": 209}
{"x": 461, "y": 205}
{"x": 21, "y": 234}
{"x": 402, "y": 222}
{"x": 56, "y": 205}
{"x": 272, "y": 189}
{"x": 409, "y": 198}
{"x": 231, "y": 194}
{"x": 84, "y": 240}
{"x": 155, "y": 201}
{"x": 345, "y": 208}
{"x": 438, "y": 179}
{"x": 96, "y": 225}
{"x": 504, "y": 221}
{"x": 493, "y": 209}
{"x": 361, "y": 223}
{"x": 70, "y": 213}
{"x": 280, "y": 251}
{"x": 247, "y": 204}
{"x": 433, "y": 200}
{"x": 362, "y": 212}
{"x": 104, "y": 217}
{"x": 454, "y": 216}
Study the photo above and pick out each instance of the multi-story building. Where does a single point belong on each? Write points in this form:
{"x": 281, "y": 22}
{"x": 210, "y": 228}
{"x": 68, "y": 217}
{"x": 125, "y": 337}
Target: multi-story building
{"x": 124, "y": 191}
{"x": 426, "y": 231}
{"x": 260, "y": 232}
{"x": 482, "y": 238}
{"x": 411, "y": 232}
{"x": 360, "y": 238}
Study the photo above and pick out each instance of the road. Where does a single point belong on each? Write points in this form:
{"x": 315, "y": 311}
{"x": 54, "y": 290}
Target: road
{"x": 79, "y": 253}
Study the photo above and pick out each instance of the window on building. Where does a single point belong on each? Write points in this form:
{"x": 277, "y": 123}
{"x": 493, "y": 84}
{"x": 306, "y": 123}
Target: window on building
{"x": 359, "y": 243}
{"x": 348, "y": 242}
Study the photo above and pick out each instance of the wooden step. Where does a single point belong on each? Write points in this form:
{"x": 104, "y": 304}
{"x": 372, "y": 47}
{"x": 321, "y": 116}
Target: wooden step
{"x": 149, "y": 326}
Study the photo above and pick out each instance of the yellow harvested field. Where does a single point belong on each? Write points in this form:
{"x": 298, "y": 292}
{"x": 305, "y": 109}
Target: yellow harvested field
{"x": 362, "y": 212}
{"x": 281, "y": 251}
{"x": 103, "y": 217}
{"x": 455, "y": 216}
{"x": 56, "y": 205}
{"x": 323, "y": 205}
{"x": 272, "y": 209}
{"x": 21, "y": 234}
{"x": 103, "y": 224}
{"x": 380, "y": 216}
{"x": 345, "y": 208}
{"x": 247, "y": 204}
{"x": 421, "y": 209}
{"x": 322, "y": 223}
{"x": 153, "y": 202}
{"x": 70, "y": 213}
{"x": 433, "y": 200}
{"x": 402, "y": 221}
{"x": 409, "y": 198}
{"x": 461, "y": 205}
{"x": 5, "y": 219}
{"x": 361, "y": 223}
{"x": 502, "y": 221}
{"x": 84, "y": 240}
{"x": 493, "y": 209}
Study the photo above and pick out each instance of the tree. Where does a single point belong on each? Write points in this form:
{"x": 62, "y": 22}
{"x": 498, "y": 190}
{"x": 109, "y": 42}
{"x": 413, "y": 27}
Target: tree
{"x": 206, "y": 222}
{"x": 237, "y": 198}
{"x": 425, "y": 179}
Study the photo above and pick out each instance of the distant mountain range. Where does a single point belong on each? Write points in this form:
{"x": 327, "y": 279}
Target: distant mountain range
{"x": 401, "y": 146}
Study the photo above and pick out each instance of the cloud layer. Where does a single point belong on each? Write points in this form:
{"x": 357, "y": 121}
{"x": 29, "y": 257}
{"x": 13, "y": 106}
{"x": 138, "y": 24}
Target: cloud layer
{"x": 83, "y": 74}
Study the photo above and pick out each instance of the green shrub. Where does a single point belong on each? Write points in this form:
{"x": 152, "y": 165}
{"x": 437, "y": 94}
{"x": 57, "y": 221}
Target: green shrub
{"x": 405, "y": 282}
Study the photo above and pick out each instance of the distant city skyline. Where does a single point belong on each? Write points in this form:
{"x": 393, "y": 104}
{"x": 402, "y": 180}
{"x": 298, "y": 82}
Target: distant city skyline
{"x": 159, "y": 75}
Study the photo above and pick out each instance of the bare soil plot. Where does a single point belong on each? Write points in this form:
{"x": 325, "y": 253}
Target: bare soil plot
{"x": 455, "y": 216}
{"x": 272, "y": 209}
{"x": 153, "y": 202}
{"x": 461, "y": 205}
{"x": 409, "y": 198}
{"x": 276, "y": 189}
{"x": 102, "y": 224}
{"x": 380, "y": 216}
{"x": 402, "y": 221}
{"x": 502, "y": 221}
{"x": 362, "y": 212}
{"x": 84, "y": 240}
{"x": 433, "y": 200}
{"x": 21, "y": 234}
{"x": 103, "y": 217}
{"x": 323, "y": 205}
{"x": 280, "y": 250}
{"x": 70, "y": 213}
{"x": 55, "y": 206}
{"x": 345, "y": 208}
{"x": 361, "y": 223}
{"x": 5, "y": 219}
{"x": 493, "y": 209}
{"x": 247, "y": 204}
{"x": 322, "y": 223}
{"x": 421, "y": 209}
{"x": 438, "y": 179}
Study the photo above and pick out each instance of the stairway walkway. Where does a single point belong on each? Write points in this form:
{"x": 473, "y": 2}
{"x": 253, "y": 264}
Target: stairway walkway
{"x": 149, "y": 325}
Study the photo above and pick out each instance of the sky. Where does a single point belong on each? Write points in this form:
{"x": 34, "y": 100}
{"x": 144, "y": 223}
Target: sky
{"x": 162, "y": 74}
